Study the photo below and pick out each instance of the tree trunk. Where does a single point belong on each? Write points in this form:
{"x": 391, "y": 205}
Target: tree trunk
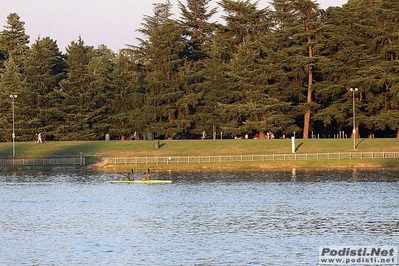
{"x": 306, "y": 124}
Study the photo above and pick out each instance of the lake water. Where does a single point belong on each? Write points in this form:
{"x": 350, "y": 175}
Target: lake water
{"x": 203, "y": 218}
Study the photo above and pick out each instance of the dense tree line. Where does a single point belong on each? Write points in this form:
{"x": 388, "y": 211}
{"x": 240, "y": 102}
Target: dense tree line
{"x": 285, "y": 68}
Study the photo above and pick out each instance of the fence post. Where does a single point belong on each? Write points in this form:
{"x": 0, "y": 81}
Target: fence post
{"x": 81, "y": 158}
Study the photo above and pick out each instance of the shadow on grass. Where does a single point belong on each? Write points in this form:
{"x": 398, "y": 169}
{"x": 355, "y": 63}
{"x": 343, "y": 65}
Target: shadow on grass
{"x": 297, "y": 147}
{"x": 357, "y": 145}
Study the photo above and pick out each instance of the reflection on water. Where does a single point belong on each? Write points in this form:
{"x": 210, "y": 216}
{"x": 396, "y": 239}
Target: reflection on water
{"x": 293, "y": 175}
{"x": 206, "y": 218}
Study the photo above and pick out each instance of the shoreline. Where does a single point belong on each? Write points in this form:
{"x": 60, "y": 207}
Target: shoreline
{"x": 102, "y": 155}
{"x": 217, "y": 168}
{"x": 234, "y": 167}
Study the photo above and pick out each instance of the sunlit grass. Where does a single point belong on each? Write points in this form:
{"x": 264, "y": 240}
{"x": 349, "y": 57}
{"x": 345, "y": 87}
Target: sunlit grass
{"x": 95, "y": 150}
{"x": 193, "y": 147}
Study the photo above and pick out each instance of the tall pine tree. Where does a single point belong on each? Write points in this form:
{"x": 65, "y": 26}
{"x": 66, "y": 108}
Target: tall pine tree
{"x": 160, "y": 58}
{"x": 43, "y": 71}
{"x": 76, "y": 94}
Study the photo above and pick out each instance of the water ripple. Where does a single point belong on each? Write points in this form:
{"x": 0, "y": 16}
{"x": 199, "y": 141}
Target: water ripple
{"x": 243, "y": 218}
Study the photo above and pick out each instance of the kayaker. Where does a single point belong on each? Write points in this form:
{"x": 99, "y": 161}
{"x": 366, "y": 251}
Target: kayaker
{"x": 129, "y": 177}
{"x": 145, "y": 177}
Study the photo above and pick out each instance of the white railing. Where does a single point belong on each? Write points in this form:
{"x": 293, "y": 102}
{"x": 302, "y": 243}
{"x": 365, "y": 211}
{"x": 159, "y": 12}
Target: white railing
{"x": 43, "y": 161}
{"x": 251, "y": 158}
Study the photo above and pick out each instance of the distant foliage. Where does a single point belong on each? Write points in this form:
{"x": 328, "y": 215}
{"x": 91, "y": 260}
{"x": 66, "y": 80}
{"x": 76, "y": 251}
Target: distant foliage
{"x": 284, "y": 69}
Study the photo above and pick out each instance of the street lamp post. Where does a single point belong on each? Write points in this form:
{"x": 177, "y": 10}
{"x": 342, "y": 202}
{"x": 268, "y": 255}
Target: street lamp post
{"x": 353, "y": 90}
{"x": 13, "y": 97}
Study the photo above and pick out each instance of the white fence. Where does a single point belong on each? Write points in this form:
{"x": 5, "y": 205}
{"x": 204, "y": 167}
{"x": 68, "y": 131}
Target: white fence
{"x": 43, "y": 162}
{"x": 251, "y": 158}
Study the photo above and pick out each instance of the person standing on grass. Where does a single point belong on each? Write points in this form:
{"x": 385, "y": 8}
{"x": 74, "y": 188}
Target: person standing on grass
{"x": 39, "y": 138}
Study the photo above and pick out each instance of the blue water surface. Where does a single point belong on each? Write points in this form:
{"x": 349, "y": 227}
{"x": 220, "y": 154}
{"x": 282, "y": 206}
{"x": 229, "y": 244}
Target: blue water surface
{"x": 202, "y": 218}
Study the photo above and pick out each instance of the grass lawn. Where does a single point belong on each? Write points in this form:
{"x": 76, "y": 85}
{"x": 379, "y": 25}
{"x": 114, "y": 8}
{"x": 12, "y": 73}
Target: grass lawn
{"x": 95, "y": 150}
{"x": 193, "y": 147}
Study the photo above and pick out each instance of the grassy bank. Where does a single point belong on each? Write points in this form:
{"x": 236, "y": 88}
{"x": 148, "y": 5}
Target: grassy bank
{"x": 256, "y": 166}
{"x": 95, "y": 150}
